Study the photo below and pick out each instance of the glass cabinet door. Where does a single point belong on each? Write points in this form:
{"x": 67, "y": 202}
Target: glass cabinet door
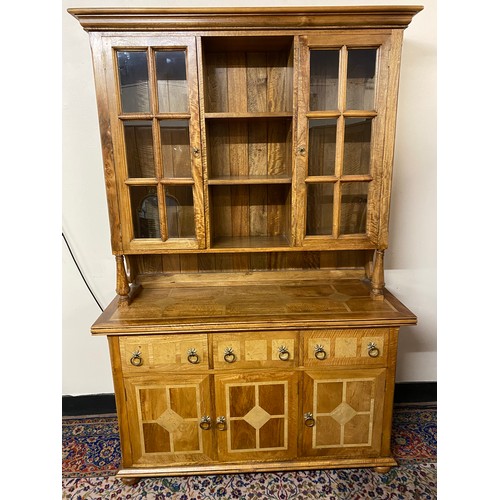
{"x": 339, "y": 135}
{"x": 155, "y": 119}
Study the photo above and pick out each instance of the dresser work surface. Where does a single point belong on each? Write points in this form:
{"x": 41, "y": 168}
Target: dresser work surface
{"x": 228, "y": 304}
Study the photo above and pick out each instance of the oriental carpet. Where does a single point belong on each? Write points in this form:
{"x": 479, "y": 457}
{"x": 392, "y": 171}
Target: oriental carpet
{"x": 91, "y": 457}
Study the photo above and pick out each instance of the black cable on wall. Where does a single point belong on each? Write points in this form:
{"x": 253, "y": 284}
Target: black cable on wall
{"x": 80, "y": 271}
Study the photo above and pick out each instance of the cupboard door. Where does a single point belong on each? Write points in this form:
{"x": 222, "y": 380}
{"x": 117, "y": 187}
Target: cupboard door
{"x": 152, "y": 86}
{"x": 165, "y": 413}
{"x": 259, "y": 416}
{"x": 341, "y": 124}
{"x": 343, "y": 413}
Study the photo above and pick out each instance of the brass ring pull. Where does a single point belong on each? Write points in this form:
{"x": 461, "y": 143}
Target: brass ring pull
{"x": 221, "y": 423}
{"x": 193, "y": 357}
{"x": 136, "y": 359}
{"x": 319, "y": 352}
{"x": 229, "y": 356}
{"x": 196, "y": 151}
{"x": 283, "y": 353}
{"x": 205, "y": 423}
{"x": 373, "y": 350}
{"x": 309, "y": 420}
{"x": 301, "y": 150}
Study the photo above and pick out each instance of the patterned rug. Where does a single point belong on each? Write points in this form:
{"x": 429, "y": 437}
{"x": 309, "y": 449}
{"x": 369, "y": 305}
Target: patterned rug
{"x": 91, "y": 457}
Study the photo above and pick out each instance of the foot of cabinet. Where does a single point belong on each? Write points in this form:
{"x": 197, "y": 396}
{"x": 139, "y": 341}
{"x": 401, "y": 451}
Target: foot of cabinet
{"x": 130, "y": 481}
{"x": 382, "y": 470}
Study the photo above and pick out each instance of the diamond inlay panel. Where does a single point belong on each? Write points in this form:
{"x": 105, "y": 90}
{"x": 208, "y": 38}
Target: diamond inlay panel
{"x": 170, "y": 420}
{"x": 343, "y": 413}
{"x": 257, "y": 417}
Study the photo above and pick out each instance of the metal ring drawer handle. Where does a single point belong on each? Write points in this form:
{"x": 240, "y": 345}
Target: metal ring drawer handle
{"x": 373, "y": 350}
{"x": 205, "y": 423}
{"x": 283, "y": 353}
{"x": 193, "y": 357}
{"x": 221, "y": 423}
{"x": 136, "y": 359}
{"x": 319, "y": 352}
{"x": 229, "y": 356}
{"x": 309, "y": 420}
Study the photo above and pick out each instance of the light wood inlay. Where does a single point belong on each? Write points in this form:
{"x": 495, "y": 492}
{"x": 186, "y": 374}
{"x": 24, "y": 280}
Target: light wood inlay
{"x": 256, "y": 350}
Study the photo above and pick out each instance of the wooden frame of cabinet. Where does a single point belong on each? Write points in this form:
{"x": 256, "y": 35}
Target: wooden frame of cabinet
{"x": 248, "y": 161}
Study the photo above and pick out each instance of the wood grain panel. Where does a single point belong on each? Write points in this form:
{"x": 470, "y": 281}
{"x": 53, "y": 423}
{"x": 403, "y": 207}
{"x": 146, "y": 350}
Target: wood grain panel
{"x": 256, "y": 350}
{"x": 347, "y": 408}
{"x": 165, "y": 412}
{"x": 163, "y": 352}
{"x": 264, "y": 429}
{"x": 346, "y": 347}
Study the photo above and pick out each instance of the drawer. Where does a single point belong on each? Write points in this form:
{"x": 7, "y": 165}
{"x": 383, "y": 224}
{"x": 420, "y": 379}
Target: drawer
{"x": 345, "y": 347}
{"x": 141, "y": 353}
{"x": 255, "y": 350}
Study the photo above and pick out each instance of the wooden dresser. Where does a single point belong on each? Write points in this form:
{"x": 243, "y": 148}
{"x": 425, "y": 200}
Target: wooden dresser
{"x": 248, "y": 160}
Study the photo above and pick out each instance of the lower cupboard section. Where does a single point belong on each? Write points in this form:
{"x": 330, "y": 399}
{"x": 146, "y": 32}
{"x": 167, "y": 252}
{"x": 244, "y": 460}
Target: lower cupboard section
{"x": 261, "y": 416}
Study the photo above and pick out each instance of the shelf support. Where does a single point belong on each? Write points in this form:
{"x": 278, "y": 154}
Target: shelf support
{"x": 377, "y": 292}
{"x": 122, "y": 285}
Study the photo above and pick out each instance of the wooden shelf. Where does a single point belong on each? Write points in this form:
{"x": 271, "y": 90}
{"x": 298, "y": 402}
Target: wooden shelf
{"x": 270, "y": 114}
{"x": 250, "y": 242}
{"x": 250, "y": 179}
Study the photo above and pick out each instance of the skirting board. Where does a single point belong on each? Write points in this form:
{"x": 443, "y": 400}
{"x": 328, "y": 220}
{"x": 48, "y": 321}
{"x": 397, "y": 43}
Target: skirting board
{"x": 99, "y": 404}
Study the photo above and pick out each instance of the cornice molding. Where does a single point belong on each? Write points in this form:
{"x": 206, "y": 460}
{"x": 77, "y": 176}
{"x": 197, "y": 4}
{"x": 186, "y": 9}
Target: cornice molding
{"x": 158, "y": 19}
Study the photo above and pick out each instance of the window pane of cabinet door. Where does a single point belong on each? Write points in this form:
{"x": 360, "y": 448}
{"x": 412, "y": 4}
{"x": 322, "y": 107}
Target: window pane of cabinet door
{"x": 172, "y": 81}
{"x": 134, "y": 80}
{"x": 340, "y": 131}
{"x": 155, "y": 119}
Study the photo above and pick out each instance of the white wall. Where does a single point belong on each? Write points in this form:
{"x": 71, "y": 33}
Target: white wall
{"x": 410, "y": 260}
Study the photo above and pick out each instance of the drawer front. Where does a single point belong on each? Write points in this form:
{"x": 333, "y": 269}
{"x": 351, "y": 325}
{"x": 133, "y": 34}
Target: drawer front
{"x": 140, "y": 353}
{"x": 255, "y": 350}
{"x": 345, "y": 347}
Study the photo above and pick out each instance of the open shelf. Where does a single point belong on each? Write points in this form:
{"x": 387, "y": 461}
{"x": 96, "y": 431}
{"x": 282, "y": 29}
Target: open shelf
{"x": 251, "y": 242}
{"x": 250, "y": 179}
{"x": 242, "y": 75}
{"x": 249, "y": 147}
{"x": 250, "y": 216}
{"x": 236, "y": 115}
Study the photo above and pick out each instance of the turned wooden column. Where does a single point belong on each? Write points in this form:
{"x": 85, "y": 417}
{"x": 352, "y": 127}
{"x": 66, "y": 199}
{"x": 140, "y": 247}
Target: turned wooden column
{"x": 377, "y": 292}
{"x": 122, "y": 286}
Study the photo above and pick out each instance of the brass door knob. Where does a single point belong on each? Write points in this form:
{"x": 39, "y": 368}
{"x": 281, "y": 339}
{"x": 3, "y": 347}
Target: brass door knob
{"x": 309, "y": 420}
{"x": 373, "y": 350}
{"x": 221, "y": 423}
{"x": 229, "y": 356}
{"x": 319, "y": 352}
{"x": 193, "y": 357}
{"x": 283, "y": 353}
{"x": 205, "y": 423}
{"x": 136, "y": 359}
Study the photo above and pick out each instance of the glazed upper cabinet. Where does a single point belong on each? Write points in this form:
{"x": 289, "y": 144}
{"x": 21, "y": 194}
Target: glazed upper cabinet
{"x": 344, "y": 95}
{"x": 152, "y": 91}
{"x": 235, "y": 141}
